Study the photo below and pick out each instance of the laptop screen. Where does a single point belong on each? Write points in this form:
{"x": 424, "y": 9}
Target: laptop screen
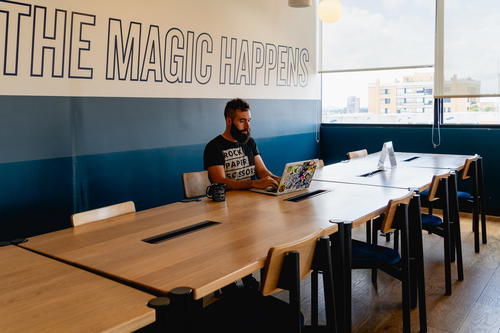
{"x": 297, "y": 175}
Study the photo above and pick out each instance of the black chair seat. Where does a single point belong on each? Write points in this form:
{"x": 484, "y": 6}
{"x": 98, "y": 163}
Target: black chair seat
{"x": 464, "y": 195}
{"x": 431, "y": 220}
{"x": 369, "y": 253}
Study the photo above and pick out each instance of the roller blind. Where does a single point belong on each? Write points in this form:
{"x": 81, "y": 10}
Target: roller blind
{"x": 471, "y": 49}
{"x": 379, "y": 34}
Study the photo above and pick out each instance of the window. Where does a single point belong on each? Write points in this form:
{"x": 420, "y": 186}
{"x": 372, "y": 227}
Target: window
{"x": 396, "y": 81}
{"x": 355, "y": 63}
{"x": 478, "y": 111}
{"x": 470, "y": 71}
{"x": 372, "y": 105}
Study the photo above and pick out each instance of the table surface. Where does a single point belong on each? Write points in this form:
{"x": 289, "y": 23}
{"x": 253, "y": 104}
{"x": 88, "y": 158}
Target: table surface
{"x": 423, "y": 160}
{"x": 401, "y": 176}
{"x": 210, "y": 258}
{"x": 39, "y": 294}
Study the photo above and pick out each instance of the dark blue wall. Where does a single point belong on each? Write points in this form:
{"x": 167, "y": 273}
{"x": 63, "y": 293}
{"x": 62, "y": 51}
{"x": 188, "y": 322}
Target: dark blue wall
{"x": 337, "y": 140}
{"x": 61, "y": 155}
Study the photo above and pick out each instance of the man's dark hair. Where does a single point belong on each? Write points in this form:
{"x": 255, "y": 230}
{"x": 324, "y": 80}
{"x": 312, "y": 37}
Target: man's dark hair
{"x": 233, "y": 105}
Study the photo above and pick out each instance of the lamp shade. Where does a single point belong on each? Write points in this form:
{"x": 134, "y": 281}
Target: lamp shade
{"x": 299, "y": 3}
{"x": 329, "y": 10}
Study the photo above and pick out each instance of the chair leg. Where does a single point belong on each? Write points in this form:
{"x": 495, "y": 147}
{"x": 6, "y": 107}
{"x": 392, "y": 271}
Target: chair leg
{"x": 291, "y": 269}
{"x": 453, "y": 211}
{"x": 483, "y": 227}
{"x": 369, "y": 232}
{"x": 314, "y": 299}
{"x": 475, "y": 228}
{"x": 374, "y": 277}
{"x": 375, "y": 242}
{"x": 417, "y": 269}
{"x": 388, "y": 237}
{"x": 481, "y": 198}
{"x": 324, "y": 250}
{"x": 447, "y": 236}
{"x": 447, "y": 263}
{"x": 458, "y": 247}
{"x": 452, "y": 244}
{"x": 396, "y": 240}
{"x": 338, "y": 259}
{"x": 405, "y": 273}
{"x": 455, "y": 227}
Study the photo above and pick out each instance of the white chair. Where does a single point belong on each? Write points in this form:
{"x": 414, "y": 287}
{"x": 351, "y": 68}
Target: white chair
{"x": 195, "y": 183}
{"x": 103, "y": 213}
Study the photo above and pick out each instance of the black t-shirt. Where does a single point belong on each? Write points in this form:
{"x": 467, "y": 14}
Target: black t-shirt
{"x": 237, "y": 158}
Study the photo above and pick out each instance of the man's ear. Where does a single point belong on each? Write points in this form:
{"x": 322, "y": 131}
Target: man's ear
{"x": 229, "y": 121}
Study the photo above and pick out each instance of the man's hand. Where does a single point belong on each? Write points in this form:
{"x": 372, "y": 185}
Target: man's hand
{"x": 265, "y": 182}
{"x": 276, "y": 178}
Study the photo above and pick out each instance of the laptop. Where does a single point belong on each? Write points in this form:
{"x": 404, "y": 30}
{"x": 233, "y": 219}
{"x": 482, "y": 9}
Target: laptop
{"x": 296, "y": 176}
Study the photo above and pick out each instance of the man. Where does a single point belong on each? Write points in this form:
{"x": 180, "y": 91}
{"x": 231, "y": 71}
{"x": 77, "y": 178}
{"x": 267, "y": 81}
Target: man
{"x": 232, "y": 158}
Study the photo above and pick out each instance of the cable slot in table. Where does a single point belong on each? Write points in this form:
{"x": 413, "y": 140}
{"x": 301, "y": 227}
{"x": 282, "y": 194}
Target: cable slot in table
{"x": 305, "y": 196}
{"x": 371, "y": 173}
{"x": 179, "y": 232}
{"x": 411, "y": 158}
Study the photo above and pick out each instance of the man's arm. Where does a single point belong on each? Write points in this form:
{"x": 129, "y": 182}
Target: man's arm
{"x": 262, "y": 171}
{"x": 216, "y": 174}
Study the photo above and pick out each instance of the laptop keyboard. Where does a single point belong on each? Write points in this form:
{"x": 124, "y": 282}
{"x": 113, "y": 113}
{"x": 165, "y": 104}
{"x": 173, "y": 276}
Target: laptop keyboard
{"x": 271, "y": 189}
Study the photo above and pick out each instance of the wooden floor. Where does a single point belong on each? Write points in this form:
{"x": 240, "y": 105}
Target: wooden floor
{"x": 474, "y": 305}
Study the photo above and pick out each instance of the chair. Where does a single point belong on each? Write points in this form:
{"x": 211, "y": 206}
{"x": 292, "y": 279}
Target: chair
{"x": 98, "y": 214}
{"x": 195, "y": 183}
{"x": 390, "y": 261}
{"x": 472, "y": 169}
{"x": 445, "y": 227}
{"x": 357, "y": 153}
{"x": 474, "y": 200}
{"x": 250, "y": 310}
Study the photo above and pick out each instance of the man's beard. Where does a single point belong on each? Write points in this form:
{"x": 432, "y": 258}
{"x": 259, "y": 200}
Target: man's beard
{"x": 239, "y": 135}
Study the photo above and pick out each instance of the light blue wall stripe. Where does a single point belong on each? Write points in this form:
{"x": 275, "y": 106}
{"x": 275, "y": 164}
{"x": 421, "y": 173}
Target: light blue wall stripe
{"x": 49, "y": 127}
{"x": 33, "y": 128}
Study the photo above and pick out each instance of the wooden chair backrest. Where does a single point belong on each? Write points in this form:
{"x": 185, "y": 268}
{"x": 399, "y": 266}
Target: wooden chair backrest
{"x": 468, "y": 162}
{"x": 357, "y": 153}
{"x": 276, "y": 255}
{"x": 103, "y": 213}
{"x": 435, "y": 185}
{"x": 390, "y": 212}
{"x": 320, "y": 163}
{"x": 195, "y": 183}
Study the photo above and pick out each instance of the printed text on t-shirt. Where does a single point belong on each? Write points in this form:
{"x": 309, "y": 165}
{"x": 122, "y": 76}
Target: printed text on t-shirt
{"x": 236, "y": 164}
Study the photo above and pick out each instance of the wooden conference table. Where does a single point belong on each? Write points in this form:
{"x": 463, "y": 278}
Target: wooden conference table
{"x": 39, "y": 294}
{"x": 212, "y": 257}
